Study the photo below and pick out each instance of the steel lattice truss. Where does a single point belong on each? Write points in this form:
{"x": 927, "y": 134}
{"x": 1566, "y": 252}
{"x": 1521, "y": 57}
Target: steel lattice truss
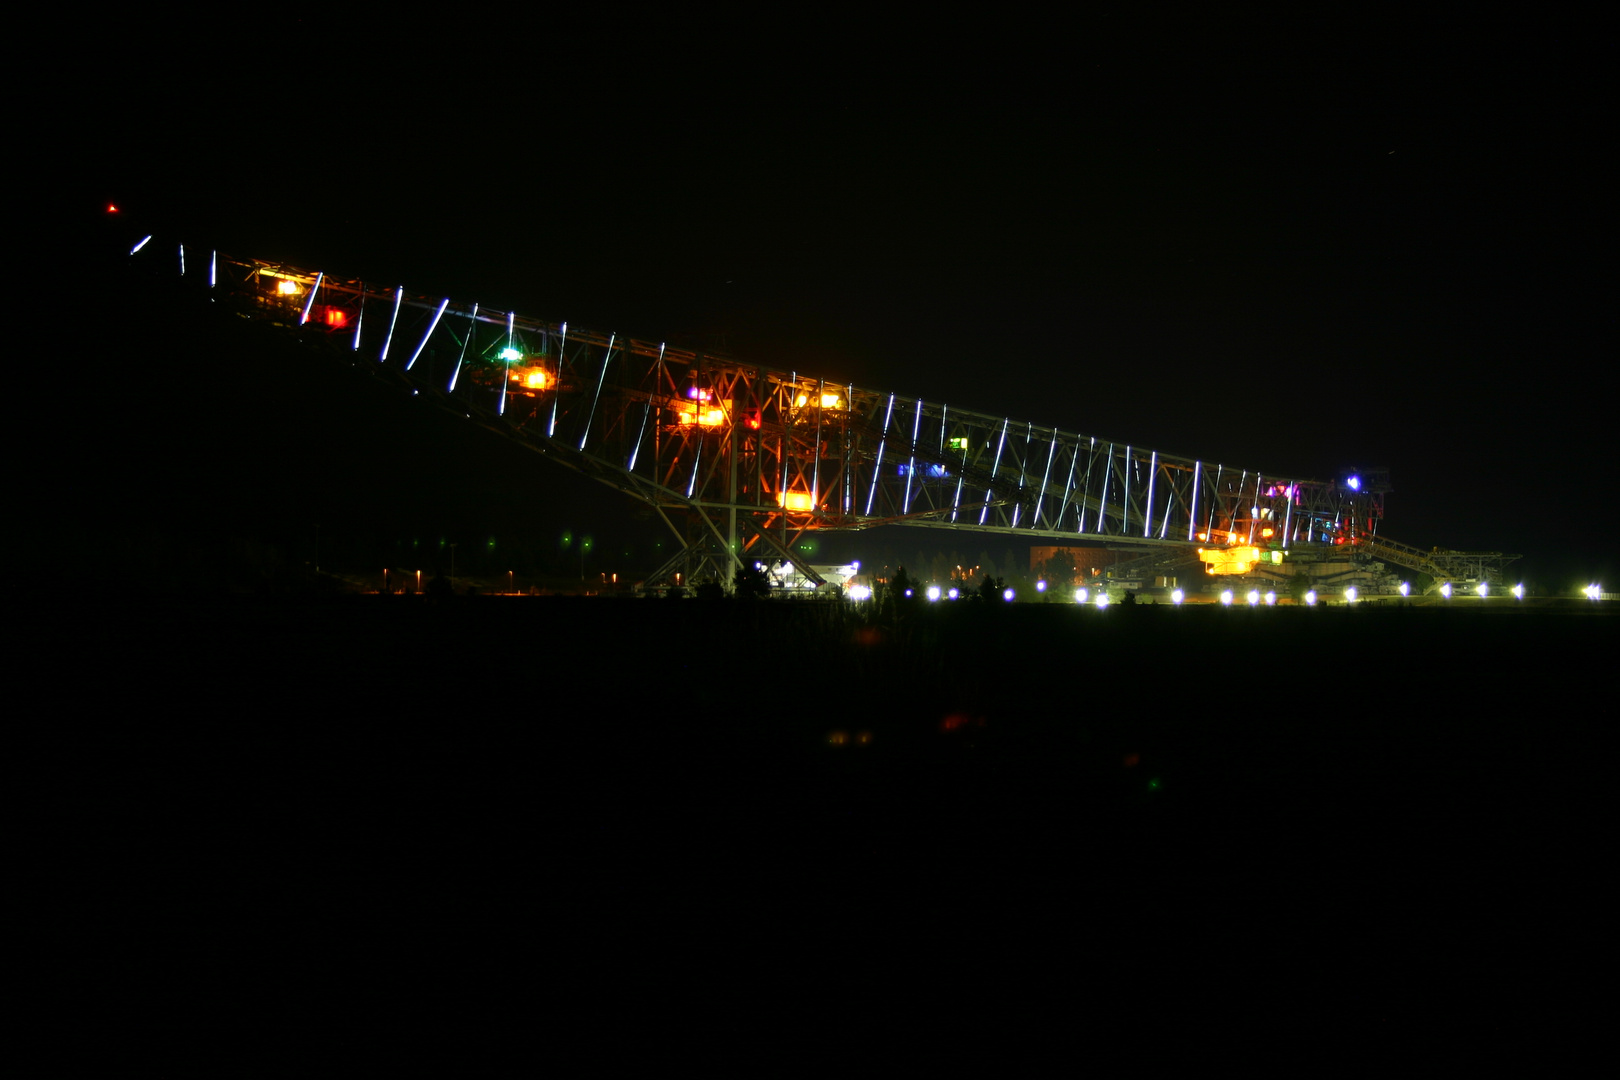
{"x": 1440, "y": 564}
{"x": 753, "y": 456}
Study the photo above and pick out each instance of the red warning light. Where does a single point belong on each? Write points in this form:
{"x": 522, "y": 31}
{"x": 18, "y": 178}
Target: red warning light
{"x": 335, "y": 317}
{"x": 111, "y": 209}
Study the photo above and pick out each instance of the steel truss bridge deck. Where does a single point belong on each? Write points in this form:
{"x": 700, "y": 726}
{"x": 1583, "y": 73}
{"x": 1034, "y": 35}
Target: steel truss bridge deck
{"x": 753, "y": 457}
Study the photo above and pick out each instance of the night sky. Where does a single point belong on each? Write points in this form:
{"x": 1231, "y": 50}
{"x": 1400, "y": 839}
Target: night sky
{"x": 1293, "y": 245}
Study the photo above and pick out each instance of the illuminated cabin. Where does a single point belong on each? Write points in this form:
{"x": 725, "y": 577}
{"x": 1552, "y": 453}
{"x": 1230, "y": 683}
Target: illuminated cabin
{"x": 703, "y": 412}
{"x": 529, "y": 380}
{"x": 330, "y": 316}
{"x": 1232, "y": 560}
{"x": 796, "y": 500}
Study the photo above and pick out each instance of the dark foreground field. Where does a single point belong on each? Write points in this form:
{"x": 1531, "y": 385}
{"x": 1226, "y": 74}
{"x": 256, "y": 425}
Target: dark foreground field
{"x": 1385, "y": 817}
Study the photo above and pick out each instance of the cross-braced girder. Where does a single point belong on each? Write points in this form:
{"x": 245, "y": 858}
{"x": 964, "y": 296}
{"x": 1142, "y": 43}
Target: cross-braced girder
{"x": 755, "y": 453}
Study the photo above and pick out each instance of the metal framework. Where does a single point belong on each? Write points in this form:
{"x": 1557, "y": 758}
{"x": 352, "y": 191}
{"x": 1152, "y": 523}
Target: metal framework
{"x": 1439, "y": 564}
{"x": 752, "y": 457}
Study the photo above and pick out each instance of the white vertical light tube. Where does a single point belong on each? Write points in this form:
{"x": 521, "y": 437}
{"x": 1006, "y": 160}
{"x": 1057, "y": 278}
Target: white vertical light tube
{"x": 1068, "y": 486}
{"x": 1288, "y": 514}
{"x": 140, "y": 245}
{"x": 1102, "y": 498}
{"x": 361, "y": 320}
{"x": 309, "y": 304}
{"x": 989, "y": 492}
{"x": 399, "y": 294}
{"x": 213, "y": 268}
{"x": 1085, "y": 490}
{"x": 1192, "y": 511}
{"x": 1147, "y": 514}
{"x": 506, "y": 372}
{"x": 635, "y": 451}
{"x": 434, "y": 325}
{"x": 590, "y": 416}
{"x": 782, "y": 481}
{"x": 1023, "y": 465}
{"x": 877, "y": 466}
{"x": 911, "y": 467}
{"x": 1125, "y": 504}
{"x": 1254, "y": 507}
{"x": 1051, "y": 448}
{"x": 691, "y": 485}
{"x": 471, "y": 330}
{"x": 562, "y": 346}
{"x": 961, "y": 469}
{"x": 182, "y": 260}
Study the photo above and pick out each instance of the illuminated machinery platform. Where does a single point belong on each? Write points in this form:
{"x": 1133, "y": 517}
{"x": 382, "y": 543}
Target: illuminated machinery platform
{"x": 741, "y": 460}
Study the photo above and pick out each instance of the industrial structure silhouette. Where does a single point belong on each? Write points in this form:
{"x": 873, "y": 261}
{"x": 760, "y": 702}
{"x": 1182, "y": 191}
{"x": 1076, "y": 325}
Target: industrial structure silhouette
{"x": 741, "y": 460}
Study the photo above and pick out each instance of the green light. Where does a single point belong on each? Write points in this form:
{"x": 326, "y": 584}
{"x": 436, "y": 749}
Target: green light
{"x": 510, "y": 354}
